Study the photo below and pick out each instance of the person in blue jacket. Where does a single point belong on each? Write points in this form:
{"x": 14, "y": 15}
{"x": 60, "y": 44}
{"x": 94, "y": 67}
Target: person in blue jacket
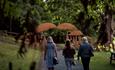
{"x": 50, "y": 53}
{"x": 85, "y": 52}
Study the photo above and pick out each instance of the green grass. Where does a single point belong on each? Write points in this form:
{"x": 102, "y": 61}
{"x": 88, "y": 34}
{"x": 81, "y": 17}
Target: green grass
{"x": 101, "y": 61}
{"x": 8, "y": 53}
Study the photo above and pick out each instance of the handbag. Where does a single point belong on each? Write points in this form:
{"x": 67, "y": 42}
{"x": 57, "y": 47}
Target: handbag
{"x": 55, "y": 61}
{"x": 73, "y": 62}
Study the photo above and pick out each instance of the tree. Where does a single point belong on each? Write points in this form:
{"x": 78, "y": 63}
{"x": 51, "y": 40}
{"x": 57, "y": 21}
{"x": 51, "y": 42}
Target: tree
{"x": 105, "y": 36}
{"x": 92, "y": 17}
{"x": 86, "y": 15}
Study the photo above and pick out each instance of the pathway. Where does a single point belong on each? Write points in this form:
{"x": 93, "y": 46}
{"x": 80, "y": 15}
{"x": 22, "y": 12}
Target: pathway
{"x": 61, "y": 65}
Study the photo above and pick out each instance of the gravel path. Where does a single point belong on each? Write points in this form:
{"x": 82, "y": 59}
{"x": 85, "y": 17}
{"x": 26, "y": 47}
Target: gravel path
{"x": 61, "y": 65}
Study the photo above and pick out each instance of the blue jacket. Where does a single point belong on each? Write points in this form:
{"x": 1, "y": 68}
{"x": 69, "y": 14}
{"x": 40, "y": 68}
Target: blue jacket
{"x": 85, "y": 50}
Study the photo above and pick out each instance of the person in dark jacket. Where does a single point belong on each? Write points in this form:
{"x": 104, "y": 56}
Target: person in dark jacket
{"x": 68, "y": 53}
{"x": 85, "y": 52}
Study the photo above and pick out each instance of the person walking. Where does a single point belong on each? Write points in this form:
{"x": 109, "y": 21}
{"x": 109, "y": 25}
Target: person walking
{"x": 68, "y": 53}
{"x": 50, "y": 53}
{"x": 85, "y": 52}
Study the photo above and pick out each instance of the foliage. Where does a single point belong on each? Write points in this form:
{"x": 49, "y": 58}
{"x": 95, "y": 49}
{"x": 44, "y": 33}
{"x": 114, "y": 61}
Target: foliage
{"x": 86, "y": 15}
{"x": 8, "y": 53}
{"x": 100, "y": 61}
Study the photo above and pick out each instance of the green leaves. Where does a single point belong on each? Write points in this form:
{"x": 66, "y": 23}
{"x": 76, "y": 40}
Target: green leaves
{"x": 57, "y": 11}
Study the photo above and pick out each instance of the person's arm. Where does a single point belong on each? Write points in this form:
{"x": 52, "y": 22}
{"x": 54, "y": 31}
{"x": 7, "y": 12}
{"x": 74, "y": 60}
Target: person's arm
{"x": 63, "y": 52}
{"x": 45, "y": 51}
{"x": 73, "y": 51}
{"x": 79, "y": 52}
{"x": 91, "y": 51}
{"x": 91, "y": 48}
{"x": 55, "y": 48}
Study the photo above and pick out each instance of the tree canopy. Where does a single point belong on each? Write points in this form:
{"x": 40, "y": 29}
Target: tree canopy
{"x": 92, "y": 17}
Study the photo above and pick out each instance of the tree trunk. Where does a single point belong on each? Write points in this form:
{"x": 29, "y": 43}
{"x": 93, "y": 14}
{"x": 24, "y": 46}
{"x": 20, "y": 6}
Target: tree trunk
{"x": 109, "y": 28}
{"x": 105, "y": 36}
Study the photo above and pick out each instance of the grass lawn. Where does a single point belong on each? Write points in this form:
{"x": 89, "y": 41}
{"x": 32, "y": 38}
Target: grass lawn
{"x": 8, "y": 53}
{"x": 101, "y": 61}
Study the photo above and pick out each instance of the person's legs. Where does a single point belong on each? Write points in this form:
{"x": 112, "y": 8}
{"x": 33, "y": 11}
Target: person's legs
{"x": 51, "y": 68}
{"x": 85, "y": 62}
{"x": 68, "y": 64}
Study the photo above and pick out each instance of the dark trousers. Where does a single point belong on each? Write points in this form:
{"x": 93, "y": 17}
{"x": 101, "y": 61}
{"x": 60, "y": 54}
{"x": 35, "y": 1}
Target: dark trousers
{"x": 85, "y": 62}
